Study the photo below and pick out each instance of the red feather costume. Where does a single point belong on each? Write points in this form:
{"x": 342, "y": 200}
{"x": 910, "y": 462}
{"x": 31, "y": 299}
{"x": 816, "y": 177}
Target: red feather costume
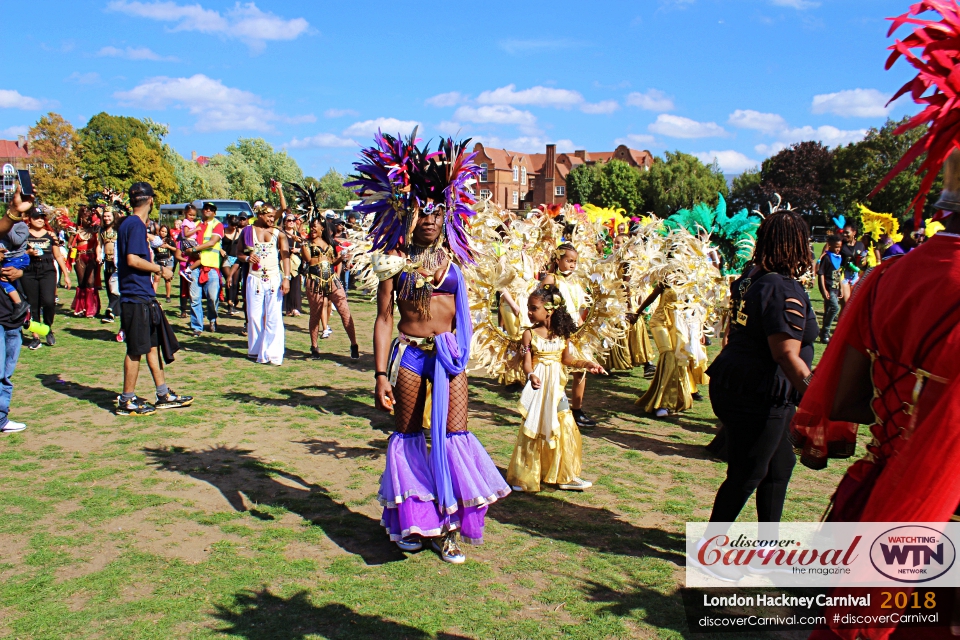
{"x": 905, "y": 316}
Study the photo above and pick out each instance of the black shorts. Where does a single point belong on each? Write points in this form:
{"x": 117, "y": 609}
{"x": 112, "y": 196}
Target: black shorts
{"x": 140, "y": 333}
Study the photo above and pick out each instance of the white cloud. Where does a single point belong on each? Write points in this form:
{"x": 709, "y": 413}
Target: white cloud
{"x": 134, "y": 53}
{"x": 652, "y": 100}
{"x": 858, "y": 103}
{"x": 680, "y": 127}
{"x": 770, "y": 149}
{"x": 339, "y": 113}
{"x": 539, "y": 96}
{"x": 321, "y": 141}
{"x": 525, "y": 144}
{"x": 13, "y": 99}
{"x": 216, "y": 106}
{"x": 730, "y": 161}
{"x": 796, "y": 4}
{"x": 449, "y": 128}
{"x": 634, "y": 140}
{"x": 369, "y": 128}
{"x": 449, "y": 99}
{"x": 84, "y": 78}
{"x": 497, "y": 114}
{"x": 604, "y": 106}
{"x": 245, "y": 21}
{"x": 830, "y": 136}
{"x": 14, "y": 131}
{"x": 765, "y": 122}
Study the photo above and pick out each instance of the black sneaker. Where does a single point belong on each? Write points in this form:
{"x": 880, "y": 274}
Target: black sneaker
{"x": 34, "y": 344}
{"x": 582, "y": 420}
{"x": 173, "y": 401}
{"x": 697, "y": 396}
{"x": 51, "y": 341}
{"x": 315, "y": 354}
{"x": 354, "y": 352}
{"x": 108, "y": 319}
{"x": 649, "y": 371}
{"x": 134, "y": 407}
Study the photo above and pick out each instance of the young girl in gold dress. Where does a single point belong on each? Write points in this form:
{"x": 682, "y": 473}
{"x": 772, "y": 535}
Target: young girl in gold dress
{"x": 548, "y": 449}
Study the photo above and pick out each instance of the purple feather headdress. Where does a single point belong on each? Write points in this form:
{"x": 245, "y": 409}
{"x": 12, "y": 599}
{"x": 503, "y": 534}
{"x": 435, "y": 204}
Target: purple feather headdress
{"x": 396, "y": 178}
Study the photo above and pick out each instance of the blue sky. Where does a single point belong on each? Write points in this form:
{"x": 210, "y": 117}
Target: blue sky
{"x": 731, "y": 79}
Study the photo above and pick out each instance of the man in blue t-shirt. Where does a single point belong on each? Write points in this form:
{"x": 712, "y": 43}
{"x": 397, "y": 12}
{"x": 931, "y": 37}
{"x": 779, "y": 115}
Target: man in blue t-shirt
{"x": 141, "y": 318}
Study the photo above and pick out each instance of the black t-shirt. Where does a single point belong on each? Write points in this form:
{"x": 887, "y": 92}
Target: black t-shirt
{"x": 43, "y": 244}
{"x": 831, "y": 275}
{"x": 849, "y": 252}
{"x": 765, "y": 305}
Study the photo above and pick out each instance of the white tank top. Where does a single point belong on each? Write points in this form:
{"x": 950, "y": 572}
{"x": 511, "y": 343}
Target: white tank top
{"x": 269, "y": 256}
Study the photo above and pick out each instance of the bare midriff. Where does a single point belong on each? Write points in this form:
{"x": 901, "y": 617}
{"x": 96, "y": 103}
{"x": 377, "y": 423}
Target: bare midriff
{"x": 443, "y": 311}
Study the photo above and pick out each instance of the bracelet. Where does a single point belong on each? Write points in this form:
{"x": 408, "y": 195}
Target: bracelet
{"x": 14, "y": 216}
{"x": 808, "y": 379}
{"x": 380, "y": 373}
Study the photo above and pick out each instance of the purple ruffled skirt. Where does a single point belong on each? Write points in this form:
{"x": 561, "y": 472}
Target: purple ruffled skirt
{"x": 406, "y": 488}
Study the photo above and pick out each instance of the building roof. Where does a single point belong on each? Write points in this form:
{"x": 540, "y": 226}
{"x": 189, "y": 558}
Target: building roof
{"x": 12, "y": 149}
{"x": 203, "y": 160}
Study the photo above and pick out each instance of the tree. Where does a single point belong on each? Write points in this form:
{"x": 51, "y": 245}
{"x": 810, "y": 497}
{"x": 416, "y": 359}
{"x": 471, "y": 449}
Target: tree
{"x": 252, "y": 161}
{"x": 332, "y": 194}
{"x": 583, "y": 184}
{"x": 801, "y": 174}
{"x": 242, "y": 178}
{"x": 614, "y": 184}
{"x": 56, "y": 145}
{"x": 745, "y": 191}
{"x": 858, "y": 168}
{"x": 106, "y": 161}
{"x": 194, "y": 181}
{"x": 147, "y": 164}
{"x": 680, "y": 181}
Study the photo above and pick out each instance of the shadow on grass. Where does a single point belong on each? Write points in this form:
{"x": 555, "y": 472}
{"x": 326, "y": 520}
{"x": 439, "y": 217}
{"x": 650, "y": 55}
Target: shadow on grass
{"x": 640, "y": 442}
{"x": 110, "y": 335}
{"x": 260, "y": 615}
{"x": 103, "y": 398}
{"x": 594, "y": 527}
{"x": 238, "y": 474}
{"x": 332, "y": 448}
{"x": 212, "y": 344}
{"x": 333, "y": 401}
{"x": 654, "y": 608}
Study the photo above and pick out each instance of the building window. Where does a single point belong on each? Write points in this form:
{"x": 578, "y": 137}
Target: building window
{"x": 516, "y": 198}
{"x": 523, "y": 175}
{"x": 516, "y": 174}
{"x": 483, "y": 172}
{"x": 484, "y": 194}
{"x": 9, "y": 182}
{"x": 560, "y": 191}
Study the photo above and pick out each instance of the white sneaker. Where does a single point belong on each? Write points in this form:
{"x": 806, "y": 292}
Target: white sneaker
{"x": 578, "y": 484}
{"x": 662, "y": 413}
{"x": 327, "y": 333}
{"x": 12, "y": 427}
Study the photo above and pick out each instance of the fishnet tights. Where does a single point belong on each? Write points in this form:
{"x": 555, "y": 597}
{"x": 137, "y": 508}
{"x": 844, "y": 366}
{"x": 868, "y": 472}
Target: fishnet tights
{"x": 410, "y": 393}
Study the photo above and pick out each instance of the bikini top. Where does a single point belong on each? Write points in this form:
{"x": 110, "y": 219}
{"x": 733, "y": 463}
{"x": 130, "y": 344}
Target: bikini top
{"x": 447, "y": 286}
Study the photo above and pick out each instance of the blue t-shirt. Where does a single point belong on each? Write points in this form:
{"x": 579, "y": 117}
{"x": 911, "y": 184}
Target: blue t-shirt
{"x": 132, "y": 239}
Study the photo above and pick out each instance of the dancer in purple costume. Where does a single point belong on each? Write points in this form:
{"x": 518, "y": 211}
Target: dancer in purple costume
{"x": 418, "y": 200}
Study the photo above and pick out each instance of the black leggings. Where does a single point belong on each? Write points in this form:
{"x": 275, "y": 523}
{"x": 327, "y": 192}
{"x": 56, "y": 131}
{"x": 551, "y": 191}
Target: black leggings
{"x": 40, "y": 287}
{"x": 760, "y": 458}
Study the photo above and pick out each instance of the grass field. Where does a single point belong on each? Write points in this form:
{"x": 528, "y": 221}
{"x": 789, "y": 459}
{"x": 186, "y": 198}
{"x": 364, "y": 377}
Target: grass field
{"x": 253, "y": 514}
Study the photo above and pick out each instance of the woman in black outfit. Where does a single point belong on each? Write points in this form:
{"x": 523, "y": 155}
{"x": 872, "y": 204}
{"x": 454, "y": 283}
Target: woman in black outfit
{"x": 39, "y": 279}
{"x": 230, "y": 267}
{"x": 293, "y": 301}
{"x": 758, "y": 378}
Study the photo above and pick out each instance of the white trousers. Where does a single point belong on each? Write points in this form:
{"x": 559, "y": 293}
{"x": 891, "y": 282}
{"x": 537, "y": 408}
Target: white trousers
{"x": 264, "y": 319}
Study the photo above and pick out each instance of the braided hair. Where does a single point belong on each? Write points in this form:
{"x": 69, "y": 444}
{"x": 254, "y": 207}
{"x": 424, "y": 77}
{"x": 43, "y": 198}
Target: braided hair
{"x": 560, "y": 322}
{"x": 783, "y": 245}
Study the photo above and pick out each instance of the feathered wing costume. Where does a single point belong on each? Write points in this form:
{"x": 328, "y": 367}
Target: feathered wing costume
{"x": 911, "y": 471}
{"x": 734, "y": 236}
{"x": 451, "y": 489}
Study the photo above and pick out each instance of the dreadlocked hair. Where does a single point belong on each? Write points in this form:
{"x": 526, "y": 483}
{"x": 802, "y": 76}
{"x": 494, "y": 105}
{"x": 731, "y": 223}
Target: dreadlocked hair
{"x": 562, "y": 249}
{"x": 783, "y": 245}
{"x": 560, "y": 323}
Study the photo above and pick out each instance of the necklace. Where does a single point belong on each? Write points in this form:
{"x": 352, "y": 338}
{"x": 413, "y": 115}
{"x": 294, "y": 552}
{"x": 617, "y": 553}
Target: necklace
{"x": 416, "y": 288}
{"x": 430, "y": 258}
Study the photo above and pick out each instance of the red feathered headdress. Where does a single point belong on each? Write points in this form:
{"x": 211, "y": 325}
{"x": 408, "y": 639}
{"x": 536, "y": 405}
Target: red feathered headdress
{"x": 938, "y": 63}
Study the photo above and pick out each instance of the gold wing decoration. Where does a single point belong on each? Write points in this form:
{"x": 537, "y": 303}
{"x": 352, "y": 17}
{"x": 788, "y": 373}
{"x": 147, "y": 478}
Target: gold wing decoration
{"x": 363, "y": 276}
{"x": 606, "y": 306}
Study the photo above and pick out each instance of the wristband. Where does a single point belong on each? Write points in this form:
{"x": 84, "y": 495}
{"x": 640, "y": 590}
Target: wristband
{"x": 380, "y": 373}
{"x": 13, "y": 216}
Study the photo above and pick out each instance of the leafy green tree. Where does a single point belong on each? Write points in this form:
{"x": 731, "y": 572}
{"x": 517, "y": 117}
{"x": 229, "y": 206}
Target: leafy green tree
{"x": 260, "y": 160}
{"x": 147, "y": 164}
{"x": 583, "y": 184}
{"x": 745, "y": 192}
{"x": 333, "y": 195}
{"x": 680, "y": 181}
{"x": 245, "y": 183}
{"x": 196, "y": 182}
{"x": 56, "y": 177}
{"x": 800, "y": 174}
{"x": 613, "y": 184}
{"x": 860, "y": 166}
{"x": 106, "y": 142}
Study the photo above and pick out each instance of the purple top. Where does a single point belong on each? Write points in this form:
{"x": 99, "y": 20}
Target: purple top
{"x": 894, "y": 250}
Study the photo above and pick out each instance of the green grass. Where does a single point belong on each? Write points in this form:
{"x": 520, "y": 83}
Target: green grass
{"x": 253, "y": 513}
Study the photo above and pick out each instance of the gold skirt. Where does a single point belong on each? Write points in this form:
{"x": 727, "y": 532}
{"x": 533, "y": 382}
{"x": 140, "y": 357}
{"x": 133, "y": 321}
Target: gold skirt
{"x": 670, "y": 387}
{"x": 641, "y": 352}
{"x": 618, "y": 358}
{"x": 534, "y": 462}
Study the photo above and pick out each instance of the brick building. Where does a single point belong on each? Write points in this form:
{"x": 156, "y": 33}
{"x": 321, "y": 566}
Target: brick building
{"x": 516, "y": 180}
{"x": 14, "y": 154}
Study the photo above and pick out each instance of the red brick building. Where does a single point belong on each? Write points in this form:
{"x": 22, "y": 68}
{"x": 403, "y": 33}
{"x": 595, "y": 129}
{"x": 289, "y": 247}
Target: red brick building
{"x": 516, "y": 180}
{"x": 14, "y": 154}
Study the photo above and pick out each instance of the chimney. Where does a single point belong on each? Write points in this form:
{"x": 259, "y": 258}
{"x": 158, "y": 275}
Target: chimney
{"x": 22, "y": 142}
{"x": 550, "y": 173}
{"x": 581, "y": 153}
{"x": 193, "y": 156}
